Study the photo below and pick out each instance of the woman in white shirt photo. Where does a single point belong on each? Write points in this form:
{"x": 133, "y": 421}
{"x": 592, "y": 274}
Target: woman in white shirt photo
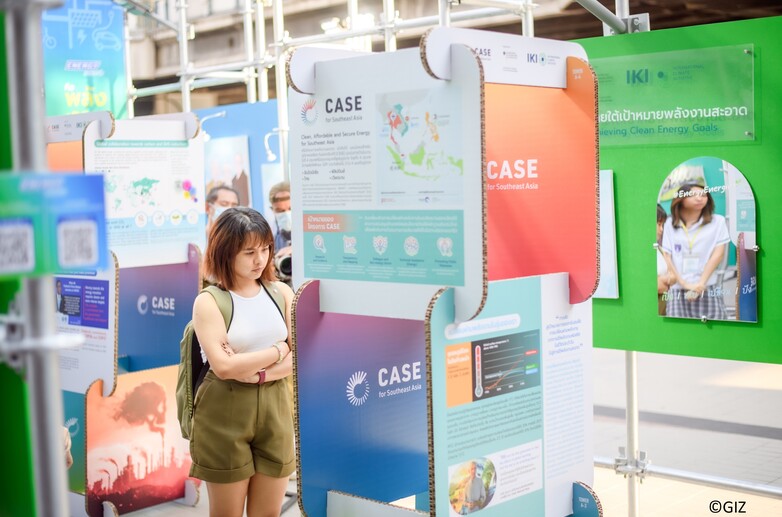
{"x": 694, "y": 242}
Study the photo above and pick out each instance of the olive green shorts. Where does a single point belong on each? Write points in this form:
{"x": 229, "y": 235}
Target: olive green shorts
{"x": 241, "y": 429}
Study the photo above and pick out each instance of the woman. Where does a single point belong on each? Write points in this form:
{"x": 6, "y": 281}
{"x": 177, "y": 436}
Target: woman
{"x": 242, "y": 438}
{"x": 694, "y": 243}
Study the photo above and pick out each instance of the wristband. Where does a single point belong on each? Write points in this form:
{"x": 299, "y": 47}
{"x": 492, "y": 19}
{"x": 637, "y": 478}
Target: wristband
{"x": 261, "y": 375}
{"x": 279, "y": 353}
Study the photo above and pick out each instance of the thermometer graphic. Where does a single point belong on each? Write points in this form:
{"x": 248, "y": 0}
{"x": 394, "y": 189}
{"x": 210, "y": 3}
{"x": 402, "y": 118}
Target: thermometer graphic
{"x": 478, "y": 373}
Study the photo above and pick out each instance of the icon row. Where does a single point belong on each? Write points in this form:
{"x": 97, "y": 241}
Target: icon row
{"x": 411, "y": 245}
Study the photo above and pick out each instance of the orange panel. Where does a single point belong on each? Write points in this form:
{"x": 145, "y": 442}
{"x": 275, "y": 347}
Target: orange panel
{"x": 542, "y": 180}
{"x": 458, "y": 371}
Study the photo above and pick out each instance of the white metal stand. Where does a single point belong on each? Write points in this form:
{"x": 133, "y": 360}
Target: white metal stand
{"x": 37, "y": 300}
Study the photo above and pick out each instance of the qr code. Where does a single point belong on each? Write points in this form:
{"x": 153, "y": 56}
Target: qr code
{"x": 77, "y": 243}
{"x": 17, "y": 247}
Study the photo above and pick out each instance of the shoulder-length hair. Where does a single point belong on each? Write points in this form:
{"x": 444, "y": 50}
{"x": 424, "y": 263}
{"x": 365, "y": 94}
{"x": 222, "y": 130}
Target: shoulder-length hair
{"x": 235, "y": 230}
{"x": 681, "y": 195}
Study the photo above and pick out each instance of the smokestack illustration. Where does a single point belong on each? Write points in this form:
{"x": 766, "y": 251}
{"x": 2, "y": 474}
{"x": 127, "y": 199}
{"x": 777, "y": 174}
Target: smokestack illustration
{"x": 146, "y": 404}
{"x": 108, "y": 479}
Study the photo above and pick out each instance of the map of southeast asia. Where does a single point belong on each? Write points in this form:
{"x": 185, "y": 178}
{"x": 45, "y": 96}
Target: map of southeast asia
{"x": 419, "y": 157}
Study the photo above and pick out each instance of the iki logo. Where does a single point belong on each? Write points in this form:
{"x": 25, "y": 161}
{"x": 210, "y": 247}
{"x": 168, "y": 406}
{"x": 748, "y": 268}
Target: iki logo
{"x": 536, "y": 59}
{"x": 638, "y": 76}
{"x": 358, "y": 388}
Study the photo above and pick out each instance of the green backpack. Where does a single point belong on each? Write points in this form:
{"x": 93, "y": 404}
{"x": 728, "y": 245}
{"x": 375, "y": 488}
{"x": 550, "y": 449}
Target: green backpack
{"x": 192, "y": 368}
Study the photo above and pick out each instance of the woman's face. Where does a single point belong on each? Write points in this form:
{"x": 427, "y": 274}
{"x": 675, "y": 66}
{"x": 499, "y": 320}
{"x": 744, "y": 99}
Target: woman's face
{"x": 251, "y": 260}
{"x": 696, "y": 198}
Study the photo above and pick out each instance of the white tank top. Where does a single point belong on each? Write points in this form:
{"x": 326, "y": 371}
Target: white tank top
{"x": 256, "y": 323}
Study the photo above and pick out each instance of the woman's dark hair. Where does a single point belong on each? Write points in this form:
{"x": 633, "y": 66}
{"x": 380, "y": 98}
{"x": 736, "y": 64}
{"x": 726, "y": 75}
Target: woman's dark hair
{"x": 236, "y": 229}
{"x": 681, "y": 195}
{"x": 661, "y": 214}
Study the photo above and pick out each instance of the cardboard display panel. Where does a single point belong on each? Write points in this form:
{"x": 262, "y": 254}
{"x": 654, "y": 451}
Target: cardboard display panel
{"x": 154, "y": 181}
{"x": 135, "y": 454}
{"x": 87, "y": 304}
{"x": 543, "y": 180}
{"x": 541, "y": 153}
{"x": 387, "y": 185}
{"x": 360, "y": 404}
{"x": 511, "y": 408}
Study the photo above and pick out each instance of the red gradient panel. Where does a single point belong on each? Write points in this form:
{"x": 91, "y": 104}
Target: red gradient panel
{"x": 542, "y": 172}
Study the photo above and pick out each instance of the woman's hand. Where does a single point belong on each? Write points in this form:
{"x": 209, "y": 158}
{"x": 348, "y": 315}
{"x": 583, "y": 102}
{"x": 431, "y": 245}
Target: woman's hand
{"x": 698, "y": 287}
{"x": 253, "y": 379}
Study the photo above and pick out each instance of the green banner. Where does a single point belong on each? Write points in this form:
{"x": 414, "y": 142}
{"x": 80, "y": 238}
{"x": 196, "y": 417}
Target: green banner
{"x": 686, "y": 96}
{"x": 630, "y": 322}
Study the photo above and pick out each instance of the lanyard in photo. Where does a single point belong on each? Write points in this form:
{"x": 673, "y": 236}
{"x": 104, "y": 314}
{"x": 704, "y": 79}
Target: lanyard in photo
{"x": 691, "y": 241}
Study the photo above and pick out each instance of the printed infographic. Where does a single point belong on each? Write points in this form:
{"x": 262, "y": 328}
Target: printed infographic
{"x": 511, "y": 412}
{"x": 154, "y": 181}
{"x": 86, "y": 304}
{"x": 389, "y": 183}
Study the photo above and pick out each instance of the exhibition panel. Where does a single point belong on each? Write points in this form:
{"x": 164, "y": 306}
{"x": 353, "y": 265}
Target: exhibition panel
{"x": 452, "y": 209}
{"x": 697, "y": 103}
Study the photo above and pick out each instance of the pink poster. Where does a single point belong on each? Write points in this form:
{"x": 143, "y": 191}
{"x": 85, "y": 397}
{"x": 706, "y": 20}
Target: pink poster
{"x": 136, "y": 456}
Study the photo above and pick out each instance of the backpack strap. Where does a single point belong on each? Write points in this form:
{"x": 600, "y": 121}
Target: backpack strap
{"x": 224, "y": 302}
{"x": 276, "y": 296}
{"x": 226, "y": 305}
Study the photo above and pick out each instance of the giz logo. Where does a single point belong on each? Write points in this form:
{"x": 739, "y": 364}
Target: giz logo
{"x": 640, "y": 76}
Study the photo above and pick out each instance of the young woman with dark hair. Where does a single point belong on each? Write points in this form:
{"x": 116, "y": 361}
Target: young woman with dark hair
{"x": 694, "y": 243}
{"x": 242, "y": 438}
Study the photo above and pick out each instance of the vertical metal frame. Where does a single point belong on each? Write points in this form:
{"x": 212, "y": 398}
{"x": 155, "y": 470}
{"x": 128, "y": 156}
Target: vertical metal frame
{"x": 38, "y": 345}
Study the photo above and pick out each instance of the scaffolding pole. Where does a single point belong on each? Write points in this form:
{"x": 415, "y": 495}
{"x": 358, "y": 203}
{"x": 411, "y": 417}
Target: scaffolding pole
{"x": 129, "y": 106}
{"x": 699, "y": 479}
{"x": 184, "y": 58}
{"x": 444, "y": 13}
{"x": 604, "y": 15}
{"x": 37, "y": 350}
{"x": 528, "y": 19}
{"x": 635, "y": 465}
{"x": 249, "y": 51}
{"x": 389, "y": 19}
{"x": 388, "y": 30}
{"x": 522, "y": 8}
{"x": 281, "y": 85}
{"x": 261, "y": 71}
